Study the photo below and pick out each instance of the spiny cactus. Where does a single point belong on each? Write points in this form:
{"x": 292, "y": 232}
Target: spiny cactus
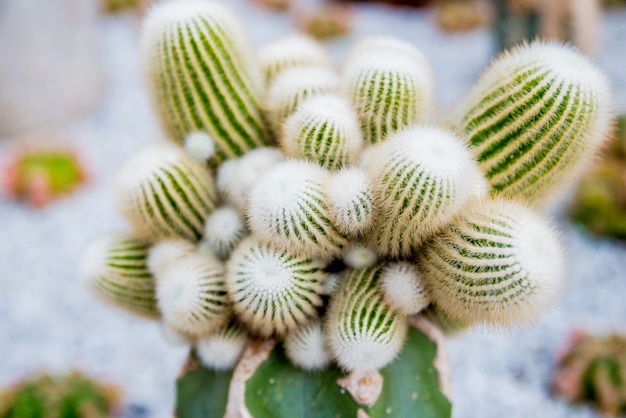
{"x": 202, "y": 75}
{"x": 192, "y": 295}
{"x": 295, "y": 50}
{"x": 344, "y": 247}
{"x": 115, "y": 269}
{"x": 498, "y": 262}
{"x": 364, "y": 332}
{"x": 535, "y": 118}
{"x": 390, "y": 85}
{"x": 273, "y": 292}
{"x": 423, "y": 176}
{"x": 165, "y": 193}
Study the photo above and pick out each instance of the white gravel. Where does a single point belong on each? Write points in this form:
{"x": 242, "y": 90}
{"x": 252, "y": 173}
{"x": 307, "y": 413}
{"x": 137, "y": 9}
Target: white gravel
{"x": 50, "y": 321}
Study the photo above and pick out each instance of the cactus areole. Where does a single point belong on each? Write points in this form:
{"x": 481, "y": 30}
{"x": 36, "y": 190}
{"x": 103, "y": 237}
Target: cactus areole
{"x": 299, "y": 219}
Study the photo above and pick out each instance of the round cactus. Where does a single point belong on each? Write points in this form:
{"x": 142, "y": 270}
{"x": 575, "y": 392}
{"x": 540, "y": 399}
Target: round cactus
{"x": 390, "y": 85}
{"x": 306, "y": 347}
{"x": 191, "y": 292}
{"x": 288, "y": 208}
{"x": 165, "y": 193}
{"x": 535, "y": 118}
{"x": 364, "y": 332}
{"x": 223, "y": 230}
{"x": 324, "y": 129}
{"x": 222, "y": 349}
{"x": 295, "y": 50}
{"x": 115, "y": 269}
{"x": 499, "y": 263}
{"x": 203, "y": 76}
{"x": 404, "y": 288}
{"x": 291, "y": 87}
{"x": 164, "y": 252}
{"x": 273, "y": 292}
{"x": 351, "y": 201}
{"x": 423, "y": 176}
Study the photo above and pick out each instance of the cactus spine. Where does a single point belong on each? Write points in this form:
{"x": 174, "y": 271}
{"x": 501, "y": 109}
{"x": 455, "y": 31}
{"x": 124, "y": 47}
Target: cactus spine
{"x": 534, "y": 118}
{"x": 115, "y": 269}
{"x": 498, "y": 264}
{"x": 390, "y": 85}
{"x": 273, "y": 292}
{"x": 203, "y": 76}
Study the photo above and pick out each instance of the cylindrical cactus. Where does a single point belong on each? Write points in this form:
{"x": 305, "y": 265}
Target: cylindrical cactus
{"x": 306, "y": 347}
{"x": 115, "y": 269}
{"x": 191, "y": 292}
{"x": 273, "y": 292}
{"x": 203, "y": 76}
{"x": 222, "y": 349}
{"x": 288, "y": 208}
{"x": 291, "y": 87}
{"x": 390, "y": 85}
{"x": 364, "y": 332}
{"x": 535, "y": 118}
{"x": 295, "y": 50}
{"x": 498, "y": 263}
{"x": 165, "y": 193}
{"x": 323, "y": 129}
{"x": 423, "y": 176}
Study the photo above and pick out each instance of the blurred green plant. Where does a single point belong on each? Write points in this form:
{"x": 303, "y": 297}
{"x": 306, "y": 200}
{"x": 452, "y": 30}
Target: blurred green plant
{"x": 600, "y": 200}
{"x": 68, "y": 396}
{"x": 594, "y": 369}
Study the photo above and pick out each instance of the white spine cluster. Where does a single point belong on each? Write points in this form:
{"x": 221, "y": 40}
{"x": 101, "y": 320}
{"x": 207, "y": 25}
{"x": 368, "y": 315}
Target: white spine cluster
{"x": 404, "y": 288}
{"x": 222, "y": 349}
{"x": 351, "y": 200}
{"x": 223, "y": 230}
{"x": 306, "y": 347}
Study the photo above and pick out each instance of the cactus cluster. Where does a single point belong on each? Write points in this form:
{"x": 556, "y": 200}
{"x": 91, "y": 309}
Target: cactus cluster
{"x": 325, "y": 208}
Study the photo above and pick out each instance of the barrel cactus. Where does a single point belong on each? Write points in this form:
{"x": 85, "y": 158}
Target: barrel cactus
{"x": 314, "y": 234}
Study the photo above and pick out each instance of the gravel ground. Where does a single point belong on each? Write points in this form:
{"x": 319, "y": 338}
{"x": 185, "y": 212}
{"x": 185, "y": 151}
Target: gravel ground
{"x": 50, "y": 321}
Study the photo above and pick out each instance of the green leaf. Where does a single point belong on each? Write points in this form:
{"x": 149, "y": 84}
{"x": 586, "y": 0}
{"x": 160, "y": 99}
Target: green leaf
{"x": 410, "y": 388}
{"x": 202, "y": 393}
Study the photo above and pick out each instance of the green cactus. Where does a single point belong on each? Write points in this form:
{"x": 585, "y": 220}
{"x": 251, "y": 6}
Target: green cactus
{"x": 390, "y": 85}
{"x": 164, "y": 193}
{"x": 337, "y": 245}
{"x": 203, "y": 77}
{"x": 364, "y": 332}
{"x": 273, "y": 292}
{"x": 498, "y": 263}
{"x": 594, "y": 369}
{"x": 115, "y": 268}
{"x": 535, "y": 119}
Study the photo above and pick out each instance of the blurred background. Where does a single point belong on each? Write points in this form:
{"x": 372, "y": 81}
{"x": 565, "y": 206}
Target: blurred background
{"x": 73, "y": 109}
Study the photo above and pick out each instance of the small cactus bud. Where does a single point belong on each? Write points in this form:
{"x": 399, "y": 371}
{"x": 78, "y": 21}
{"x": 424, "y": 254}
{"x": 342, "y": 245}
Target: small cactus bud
{"x": 364, "y": 333}
{"x": 164, "y": 252}
{"x": 423, "y": 176}
{"x": 331, "y": 284}
{"x": 534, "y": 119}
{"x": 273, "y": 292}
{"x": 165, "y": 193}
{"x": 404, "y": 288}
{"x": 323, "y": 129}
{"x": 221, "y": 350}
{"x": 235, "y": 178}
{"x": 191, "y": 292}
{"x": 295, "y": 50}
{"x": 351, "y": 200}
{"x": 200, "y": 146}
{"x": 498, "y": 263}
{"x": 305, "y": 347}
{"x": 390, "y": 84}
{"x": 291, "y": 87}
{"x": 114, "y": 267}
{"x": 288, "y": 209}
{"x": 223, "y": 230}
{"x": 203, "y": 76}
{"x": 359, "y": 255}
